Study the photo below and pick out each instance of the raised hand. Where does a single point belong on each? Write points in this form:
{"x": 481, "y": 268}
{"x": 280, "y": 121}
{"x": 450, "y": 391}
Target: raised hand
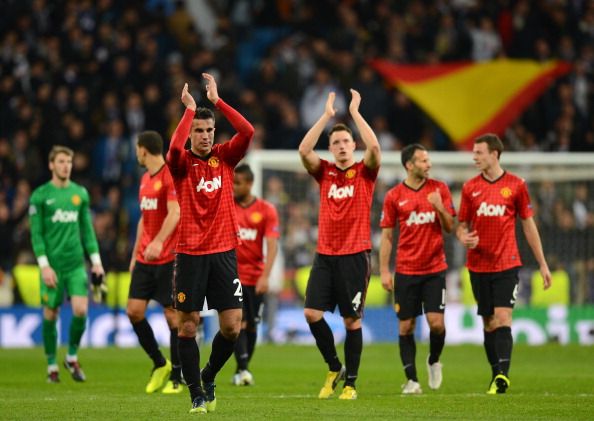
{"x": 212, "y": 92}
{"x": 187, "y": 99}
{"x": 355, "y": 101}
{"x": 330, "y": 111}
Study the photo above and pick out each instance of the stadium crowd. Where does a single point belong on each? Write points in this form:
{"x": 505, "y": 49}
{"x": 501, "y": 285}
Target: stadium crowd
{"x": 91, "y": 75}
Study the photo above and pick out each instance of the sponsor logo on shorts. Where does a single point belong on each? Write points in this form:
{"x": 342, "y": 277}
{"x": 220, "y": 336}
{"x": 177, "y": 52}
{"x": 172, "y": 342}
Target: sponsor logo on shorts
{"x": 397, "y": 308}
{"x": 181, "y": 297}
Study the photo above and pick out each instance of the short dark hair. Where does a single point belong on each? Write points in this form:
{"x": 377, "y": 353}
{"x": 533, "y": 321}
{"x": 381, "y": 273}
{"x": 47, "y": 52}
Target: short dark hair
{"x": 409, "y": 151}
{"x": 203, "y": 113}
{"x": 493, "y": 142}
{"x": 151, "y": 141}
{"x": 339, "y": 127}
{"x": 246, "y": 171}
{"x": 58, "y": 149}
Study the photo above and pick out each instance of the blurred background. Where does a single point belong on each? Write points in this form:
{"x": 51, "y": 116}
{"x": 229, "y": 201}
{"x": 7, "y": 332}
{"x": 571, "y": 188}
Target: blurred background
{"x": 91, "y": 75}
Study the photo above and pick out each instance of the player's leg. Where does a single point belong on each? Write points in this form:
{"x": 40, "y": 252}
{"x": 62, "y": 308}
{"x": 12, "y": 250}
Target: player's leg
{"x": 241, "y": 346}
{"x": 189, "y": 284}
{"x": 434, "y": 294}
{"x": 318, "y": 298}
{"x": 142, "y": 287}
{"x": 76, "y": 283}
{"x": 352, "y": 274}
{"x": 408, "y": 305}
{"x": 51, "y": 299}
{"x": 224, "y": 293}
{"x": 164, "y": 295}
{"x": 505, "y": 290}
{"x": 481, "y": 289}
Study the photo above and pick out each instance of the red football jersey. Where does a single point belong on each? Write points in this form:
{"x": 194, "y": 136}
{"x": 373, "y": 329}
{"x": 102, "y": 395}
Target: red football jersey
{"x": 344, "y": 225}
{"x": 155, "y": 191}
{"x": 256, "y": 221}
{"x": 420, "y": 243}
{"x": 204, "y": 186}
{"x": 490, "y": 208}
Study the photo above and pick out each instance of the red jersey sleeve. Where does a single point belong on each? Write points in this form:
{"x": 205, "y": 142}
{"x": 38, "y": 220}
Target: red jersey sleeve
{"x": 272, "y": 228}
{"x": 168, "y": 182}
{"x": 463, "y": 213}
{"x": 446, "y": 198}
{"x": 176, "y": 160}
{"x": 389, "y": 211}
{"x": 233, "y": 151}
{"x": 523, "y": 204}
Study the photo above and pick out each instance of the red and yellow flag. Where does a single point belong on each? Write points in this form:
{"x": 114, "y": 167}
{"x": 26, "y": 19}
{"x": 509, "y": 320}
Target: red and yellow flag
{"x": 469, "y": 99}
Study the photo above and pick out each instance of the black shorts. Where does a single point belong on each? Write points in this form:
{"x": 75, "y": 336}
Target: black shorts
{"x": 210, "y": 276}
{"x": 339, "y": 281}
{"x": 494, "y": 289}
{"x": 415, "y": 294}
{"x": 152, "y": 282}
{"x": 253, "y": 305}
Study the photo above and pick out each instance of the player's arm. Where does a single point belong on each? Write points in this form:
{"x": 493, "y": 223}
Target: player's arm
{"x": 533, "y": 239}
{"x": 37, "y": 241}
{"x": 309, "y": 158}
{"x": 139, "y": 229}
{"x": 271, "y": 251}
{"x": 469, "y": 239}
{"x": 445, "y": 218}
{"x": 245, "y": 131}
{"x": 88, "y": 237}
{"x": 182, "y": 131}
{"x": 385, "y": 250}
{"x": 155, "y": 247}
{"x": 372, "y": 157}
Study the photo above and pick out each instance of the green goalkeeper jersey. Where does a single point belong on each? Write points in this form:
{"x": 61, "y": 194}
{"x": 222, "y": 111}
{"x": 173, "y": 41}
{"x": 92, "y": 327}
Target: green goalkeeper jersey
{"x": 61, "y": 225}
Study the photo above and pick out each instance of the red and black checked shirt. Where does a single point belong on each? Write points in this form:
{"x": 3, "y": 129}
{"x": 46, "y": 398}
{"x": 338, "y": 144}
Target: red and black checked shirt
{"x": 420, "y": 243}
{"x": 155, "y": 191}
{"x": 490, "y": 208}
{"x": 344, "y": 225}
{"x": 257, "y": 221}
{"x": 205, "y": 186}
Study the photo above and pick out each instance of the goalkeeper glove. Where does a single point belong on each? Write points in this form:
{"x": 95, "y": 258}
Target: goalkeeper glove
{"x": 98, "y": 287}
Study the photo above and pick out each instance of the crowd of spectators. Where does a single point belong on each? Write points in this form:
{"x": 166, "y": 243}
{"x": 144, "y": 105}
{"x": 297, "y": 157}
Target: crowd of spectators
{"x": 92, "y": 74}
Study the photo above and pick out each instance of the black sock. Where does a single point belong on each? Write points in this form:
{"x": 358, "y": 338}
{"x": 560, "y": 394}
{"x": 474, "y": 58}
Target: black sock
{"x": 173, "y": 348}
{"x": 503, "y": 344}
{"x": 353, "y": 346}
{"x": 491, "y": 352}
{"x": 408, "y": 353}
{"x": 241, "y": 351}
{"x": 189, "y": 356}
{"x": 222, "y": 349}
{"x": 325, "y": 342}
{"x": 436, "y": 342}
{"x": 147, "y": 340}
{"x": 252, "y": 338}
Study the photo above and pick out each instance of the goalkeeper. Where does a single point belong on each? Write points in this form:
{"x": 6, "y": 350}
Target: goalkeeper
{"x": 60, "y": 227}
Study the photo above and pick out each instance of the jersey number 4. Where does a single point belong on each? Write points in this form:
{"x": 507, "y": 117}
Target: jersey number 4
{"x": 357, "y": 301}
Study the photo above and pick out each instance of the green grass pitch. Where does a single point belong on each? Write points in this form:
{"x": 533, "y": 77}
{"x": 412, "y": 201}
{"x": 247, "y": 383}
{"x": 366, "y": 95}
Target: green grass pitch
{"x": 547, "y": 383}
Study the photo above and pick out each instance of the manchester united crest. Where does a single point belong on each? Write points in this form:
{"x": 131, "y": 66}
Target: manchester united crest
{"x": 157, "y": 186}
{"x": 213, "y": 161}
{"x": 350, "y": 173}
{"x": 256, "y": 217}
{"x": 506, "y": 192}
{"x": 181, "y": 297}
{"x": 76, "y": 200}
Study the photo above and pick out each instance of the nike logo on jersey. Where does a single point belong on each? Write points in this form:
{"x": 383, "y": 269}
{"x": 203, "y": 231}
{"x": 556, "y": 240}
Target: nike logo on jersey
{"x": 50, "y": 201}
{"x": 402, "y": 203}
{"x": 336, "y": 192}
{"x": 195, "y": 165}
{"x": 332, "y": 173}
{"x": 476, "y": 193}
{"x": 490, "y": 210}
